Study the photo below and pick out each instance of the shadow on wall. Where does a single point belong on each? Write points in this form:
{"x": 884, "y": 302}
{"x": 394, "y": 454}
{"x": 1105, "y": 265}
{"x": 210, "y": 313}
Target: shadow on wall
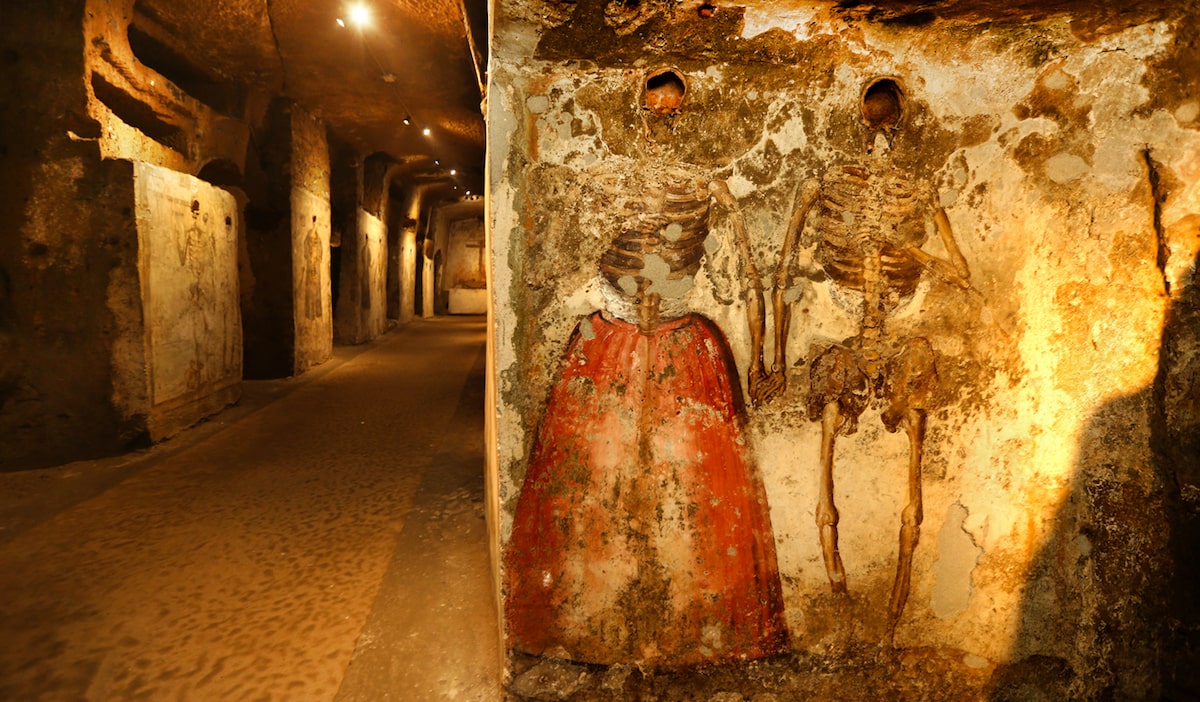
{"x": 1116, "y": 581}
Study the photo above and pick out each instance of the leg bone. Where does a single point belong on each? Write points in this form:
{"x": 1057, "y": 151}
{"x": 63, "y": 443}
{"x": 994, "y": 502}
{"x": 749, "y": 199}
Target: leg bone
{"x": 838, "y": 394}
{"x": 910, "y": 519}
{"x": 827, "y": 514}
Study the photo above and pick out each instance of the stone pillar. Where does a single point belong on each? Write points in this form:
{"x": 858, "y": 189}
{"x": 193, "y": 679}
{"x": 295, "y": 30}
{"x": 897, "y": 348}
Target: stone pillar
{"x": 411, "y": 211}
{"x": 362, "y": 303}
{"x": 310, "y": 227}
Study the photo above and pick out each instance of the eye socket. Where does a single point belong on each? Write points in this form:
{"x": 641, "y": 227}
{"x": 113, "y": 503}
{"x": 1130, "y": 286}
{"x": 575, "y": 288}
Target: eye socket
{"x": 664, "y": 92}
{"x": 882, "y": 104}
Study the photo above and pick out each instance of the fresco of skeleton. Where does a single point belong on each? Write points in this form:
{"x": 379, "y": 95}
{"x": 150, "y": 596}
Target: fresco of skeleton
{"x": 869, "y": 220}
{"x": 642, "y": 534}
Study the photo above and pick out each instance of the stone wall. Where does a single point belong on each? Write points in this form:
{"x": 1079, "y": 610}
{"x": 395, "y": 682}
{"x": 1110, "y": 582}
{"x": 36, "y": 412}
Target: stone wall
{"x": 462, "y": 278}
{"x": 116, "y": 324}
{"x": 310, "y": 218}
{"x": 1022, "y": 331}
{"x": 69, "y": 296}
{"x": 187, "y": 260}
{"x": 362, "y": 307}
{"x": 408, "y": 256}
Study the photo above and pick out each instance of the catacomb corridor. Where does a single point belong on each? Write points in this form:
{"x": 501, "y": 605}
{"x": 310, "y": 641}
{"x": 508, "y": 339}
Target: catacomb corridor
{"x": 741, "y": 351}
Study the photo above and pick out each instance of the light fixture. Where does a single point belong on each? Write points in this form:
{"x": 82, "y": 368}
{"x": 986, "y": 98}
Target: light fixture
{"x": 341, "y": 22}
{"x": 407, "y": 120}
{"x": 360, "y": 15}
{"x": 437, "y": 162}
{"x": 468, "y": 193}
{"x": 453, "y": 172}
{"x": 426, "y": 131}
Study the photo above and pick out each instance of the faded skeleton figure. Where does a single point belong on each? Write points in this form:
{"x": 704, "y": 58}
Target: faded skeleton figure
{"x": 642, "y": 533}
{"x": 869, "y": 227}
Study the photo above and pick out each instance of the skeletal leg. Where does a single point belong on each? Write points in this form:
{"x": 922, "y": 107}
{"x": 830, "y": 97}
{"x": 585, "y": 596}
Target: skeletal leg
{"x": 910, "y": 519}
{"x": 827, "y": 514}
{"x": 838, "y": 393}
{"x": 909, "y": 386}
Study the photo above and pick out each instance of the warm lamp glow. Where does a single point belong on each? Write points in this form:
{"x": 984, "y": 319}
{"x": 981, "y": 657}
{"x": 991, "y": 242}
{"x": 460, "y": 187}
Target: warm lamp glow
{"x": 453, "y": 172}
{"x": 360, "y": 15}
{"x": 425, "y": 131}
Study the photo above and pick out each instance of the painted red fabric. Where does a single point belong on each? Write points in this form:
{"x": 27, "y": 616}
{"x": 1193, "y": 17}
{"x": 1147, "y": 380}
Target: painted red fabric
{"x": 642, "y": 534}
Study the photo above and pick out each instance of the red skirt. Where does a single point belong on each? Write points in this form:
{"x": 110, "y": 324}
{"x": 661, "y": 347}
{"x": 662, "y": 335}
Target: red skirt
{"x": 642, "y": 533}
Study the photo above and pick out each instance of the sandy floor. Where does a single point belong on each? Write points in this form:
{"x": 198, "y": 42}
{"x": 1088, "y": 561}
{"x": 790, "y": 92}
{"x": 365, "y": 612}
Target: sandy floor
{"x": 268, "y": 553}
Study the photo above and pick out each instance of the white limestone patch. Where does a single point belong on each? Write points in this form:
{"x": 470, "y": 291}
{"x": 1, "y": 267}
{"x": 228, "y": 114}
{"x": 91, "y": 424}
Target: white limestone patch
{"x": 1187, "y": 112}
{"x": 797, "y": 22}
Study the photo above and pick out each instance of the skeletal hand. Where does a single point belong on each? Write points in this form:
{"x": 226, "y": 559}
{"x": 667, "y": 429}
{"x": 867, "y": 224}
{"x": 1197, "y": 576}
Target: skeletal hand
{"x": 949, "y": 274}
{"x": 941, "y": 268}
{"x": 765, "y": 386}
{"x": 720, "y": 191}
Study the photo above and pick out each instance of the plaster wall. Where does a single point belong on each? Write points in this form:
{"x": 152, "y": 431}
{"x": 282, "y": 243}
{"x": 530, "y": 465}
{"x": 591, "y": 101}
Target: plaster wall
{"x": 374, "y": 264}
{"x": 310, "y": 227}
{"x": 411, "y": 208}
{"x": 187, "y": 252}
{"x": 362, "y": 307}
{"x": 465, "y": 277}
{"x": 1066, "y": 161}
{"x": 428, "y": 289}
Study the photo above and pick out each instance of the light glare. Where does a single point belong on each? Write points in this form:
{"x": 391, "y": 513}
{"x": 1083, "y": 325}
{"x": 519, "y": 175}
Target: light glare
{"x": 425, "y": 131}
{"x": 360, "y": 15}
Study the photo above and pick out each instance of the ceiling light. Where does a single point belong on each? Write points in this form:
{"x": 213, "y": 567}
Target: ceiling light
{"x": 407, "y": 120}
{"x": 453, "y": 172}
{"x": 360, "y": 15}
{"x": 341, "y": 22}
{"x": 437, "y": 162}
{"x": 426, "y": 131}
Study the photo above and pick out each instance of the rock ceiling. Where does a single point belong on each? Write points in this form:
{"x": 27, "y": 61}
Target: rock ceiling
{"x": 413, "y": 59}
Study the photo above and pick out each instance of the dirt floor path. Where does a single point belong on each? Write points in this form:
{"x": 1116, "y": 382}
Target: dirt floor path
{"x": 250, "y": 559}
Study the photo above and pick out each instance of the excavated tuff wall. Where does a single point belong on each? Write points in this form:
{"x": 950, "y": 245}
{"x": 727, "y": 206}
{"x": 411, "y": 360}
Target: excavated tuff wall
{"x": 1058, "y": 471}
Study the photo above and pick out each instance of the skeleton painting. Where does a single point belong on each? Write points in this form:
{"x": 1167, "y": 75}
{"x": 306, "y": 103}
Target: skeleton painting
{"x": 642, "y": 534}
{"x": 868, "y": 218}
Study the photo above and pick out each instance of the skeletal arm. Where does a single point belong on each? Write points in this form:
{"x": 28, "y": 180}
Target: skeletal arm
{"x": 953, "y": 268}
{"x": 804, "y": 199}
{"x": 760, "y": 390}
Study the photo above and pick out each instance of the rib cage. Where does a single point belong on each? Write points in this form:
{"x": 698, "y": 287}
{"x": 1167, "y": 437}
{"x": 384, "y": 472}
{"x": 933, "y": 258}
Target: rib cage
{"x": 671, "y": 222}
{"x": 866, "y": 221}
